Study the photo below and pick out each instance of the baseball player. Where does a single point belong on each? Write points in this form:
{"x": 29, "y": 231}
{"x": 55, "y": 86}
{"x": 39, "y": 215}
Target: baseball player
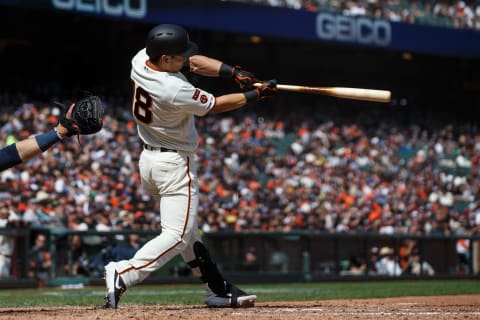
{"x": 164, "y": 105}
{"x": 80, "y": 118}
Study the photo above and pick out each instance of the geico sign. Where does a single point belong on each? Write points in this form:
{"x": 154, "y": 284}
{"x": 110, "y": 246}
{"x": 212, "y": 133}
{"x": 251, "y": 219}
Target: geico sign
{"x": 108, "y": 7}
{"x": 354, "y": 29}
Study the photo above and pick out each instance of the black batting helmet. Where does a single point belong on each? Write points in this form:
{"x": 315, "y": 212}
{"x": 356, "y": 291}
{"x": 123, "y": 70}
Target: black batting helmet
{"x": 169, "y": 39}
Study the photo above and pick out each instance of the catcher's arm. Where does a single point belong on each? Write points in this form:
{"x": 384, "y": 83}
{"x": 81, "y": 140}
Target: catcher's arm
{"x": 82, "y": 117}
{"x": 27, "y": 149}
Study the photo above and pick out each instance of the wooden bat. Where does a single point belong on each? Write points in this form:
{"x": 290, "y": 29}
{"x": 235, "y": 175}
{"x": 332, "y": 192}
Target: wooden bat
{"x": 340, "y": 92}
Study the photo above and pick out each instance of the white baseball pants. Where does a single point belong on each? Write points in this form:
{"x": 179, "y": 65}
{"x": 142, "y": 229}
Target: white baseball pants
{"x": 171, "y": 178}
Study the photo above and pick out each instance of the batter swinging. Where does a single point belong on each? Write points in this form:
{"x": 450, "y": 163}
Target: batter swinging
{"x": 164, "y": 106}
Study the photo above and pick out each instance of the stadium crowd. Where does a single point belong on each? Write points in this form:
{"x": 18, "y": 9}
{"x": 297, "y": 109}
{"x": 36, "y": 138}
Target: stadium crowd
{"x": 449, "y": 13}
{"x": 329, "y": 171}
{"x": 278, "y": 172}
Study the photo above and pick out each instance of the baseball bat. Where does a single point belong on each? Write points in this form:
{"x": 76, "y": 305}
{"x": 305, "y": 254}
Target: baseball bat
{"x": 339, "y": 92}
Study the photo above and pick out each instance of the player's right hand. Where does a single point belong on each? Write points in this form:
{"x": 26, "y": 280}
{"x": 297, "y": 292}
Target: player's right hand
{"x": 243, "y": 78}
{"x": 267, "y": 90}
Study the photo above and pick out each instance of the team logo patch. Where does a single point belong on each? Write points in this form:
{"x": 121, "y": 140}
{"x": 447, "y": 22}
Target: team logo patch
{"x": 203, "y": 98}
{"x": 196, "y": 94}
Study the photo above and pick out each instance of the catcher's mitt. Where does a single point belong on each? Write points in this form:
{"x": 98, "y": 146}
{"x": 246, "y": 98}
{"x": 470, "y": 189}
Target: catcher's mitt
{"x": 84, "y": 117}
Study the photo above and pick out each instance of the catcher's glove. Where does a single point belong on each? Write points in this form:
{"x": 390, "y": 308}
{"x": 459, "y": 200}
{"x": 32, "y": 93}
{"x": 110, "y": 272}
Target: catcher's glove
{"x": 84, "y": 117}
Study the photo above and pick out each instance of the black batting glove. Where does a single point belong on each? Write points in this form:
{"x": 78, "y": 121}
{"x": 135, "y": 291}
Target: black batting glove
{"x": 266, "y": 90}
{"x": 243, "y": 78}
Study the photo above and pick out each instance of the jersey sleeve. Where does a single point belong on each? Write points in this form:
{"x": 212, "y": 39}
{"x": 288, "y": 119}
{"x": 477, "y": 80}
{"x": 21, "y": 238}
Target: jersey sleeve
{"x": 194, "y": 101}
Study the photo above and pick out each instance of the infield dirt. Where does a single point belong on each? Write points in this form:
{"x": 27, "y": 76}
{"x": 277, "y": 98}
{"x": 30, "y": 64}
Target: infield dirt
{"x": 440, "y": 307}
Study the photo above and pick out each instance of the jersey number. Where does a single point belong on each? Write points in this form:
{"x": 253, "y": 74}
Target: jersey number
{"x": 142, "y": 105}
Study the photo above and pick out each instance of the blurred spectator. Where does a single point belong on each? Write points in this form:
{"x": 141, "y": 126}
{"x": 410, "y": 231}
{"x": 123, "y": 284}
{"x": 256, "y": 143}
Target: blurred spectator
{"x": 79, "y": 264}
{"x": 7, "y": 243}
{"x": 250, "y": 262}
{"x": 457, "y": 14}
{"x": 387, "y": 264}
{"x": 123, "y": 251}
{"x": 356, "y": 266}
{"x": 417, "y": 267}
{"x": 404, "y": 252}
{"x": 463, "y": 256}
{"x": 373, "y": 260}
{"x": 90, "y": 222}
{"x": 324, "y": 172}
{"x": 39, "y": 260}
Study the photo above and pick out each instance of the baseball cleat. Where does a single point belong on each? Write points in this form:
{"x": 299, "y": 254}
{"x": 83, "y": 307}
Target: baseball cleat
{"x": 115, "y": 286}
{"x": 234, "y": 299}
{"x": 246, "y": 301}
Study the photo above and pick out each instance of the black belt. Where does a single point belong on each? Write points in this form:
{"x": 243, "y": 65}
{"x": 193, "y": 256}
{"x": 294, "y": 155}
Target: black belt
{"x": 161, "y": 149}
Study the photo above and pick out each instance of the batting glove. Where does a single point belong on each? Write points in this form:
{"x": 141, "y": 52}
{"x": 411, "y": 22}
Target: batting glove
{"x": 266, "y": 90}
{"x": 243, "y": 78}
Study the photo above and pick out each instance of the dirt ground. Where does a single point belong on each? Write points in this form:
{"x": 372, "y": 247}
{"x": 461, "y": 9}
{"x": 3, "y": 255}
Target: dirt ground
{"x": 443, "y": 307}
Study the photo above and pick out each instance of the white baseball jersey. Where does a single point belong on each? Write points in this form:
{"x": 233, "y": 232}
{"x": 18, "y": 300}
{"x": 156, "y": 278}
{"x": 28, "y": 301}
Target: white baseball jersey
{"x": 164, "y": 106}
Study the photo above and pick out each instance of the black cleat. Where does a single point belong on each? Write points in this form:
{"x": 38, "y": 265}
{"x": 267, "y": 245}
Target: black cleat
{"x": 234, "y": 298}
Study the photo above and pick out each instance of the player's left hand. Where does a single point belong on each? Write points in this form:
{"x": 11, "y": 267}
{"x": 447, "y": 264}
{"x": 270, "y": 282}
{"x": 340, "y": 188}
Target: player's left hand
{"x": 267, "y": 90}
{"x": 243, "y": 78}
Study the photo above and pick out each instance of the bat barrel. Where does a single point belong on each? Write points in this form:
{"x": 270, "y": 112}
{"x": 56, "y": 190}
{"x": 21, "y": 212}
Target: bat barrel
{"x": 340, "y": 92}
{"x": 360, "y": 94}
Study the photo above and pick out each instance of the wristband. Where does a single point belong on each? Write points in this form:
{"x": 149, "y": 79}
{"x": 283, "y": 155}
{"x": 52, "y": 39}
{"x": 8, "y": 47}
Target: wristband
{"x": 226, "y": 71}
{"x": 9, "y": 157}
{"x": 251, "y": 95}
{"x": 48, "y": 139}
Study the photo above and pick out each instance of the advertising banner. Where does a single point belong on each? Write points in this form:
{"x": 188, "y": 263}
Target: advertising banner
{"x": 278, "y": 22}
